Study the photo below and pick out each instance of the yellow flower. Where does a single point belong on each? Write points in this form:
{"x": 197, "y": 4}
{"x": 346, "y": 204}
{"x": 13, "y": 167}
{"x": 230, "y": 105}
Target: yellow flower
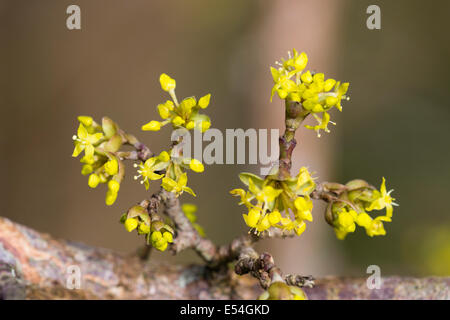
{"x": 177, "y": 187}
{"x": 160, "y": 240}
{"x": 315, "y": 94}
{"x": 167, "y": 83}
{"x": 246, "y": 197}
{"x": 306, "y": 77}
{"x": 266, "y": 194}
{"x": 164, "y": 109}
{"x": 274, "y": 217}
{"x": 304, "y": 206}
{"x": 383, "y": 200}
{"x": 252, "y": 218}
{"x": 305, "y": 183}
{"x": 322, "y": 123}
{"x": 85, "y": 141}
{"x": 376, "y": 228}
{"x": 164, "y": 156}
{"x": 345, "y": 223}
{"x": 263, "y": 224}
{"x": 147, "y": 170}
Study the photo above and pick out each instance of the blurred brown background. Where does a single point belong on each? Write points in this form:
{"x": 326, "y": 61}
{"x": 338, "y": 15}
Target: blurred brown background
{"x": 395, "y": 125}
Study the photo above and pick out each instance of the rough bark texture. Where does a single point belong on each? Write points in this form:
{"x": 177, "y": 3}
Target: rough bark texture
{"x": 34, "y": 266}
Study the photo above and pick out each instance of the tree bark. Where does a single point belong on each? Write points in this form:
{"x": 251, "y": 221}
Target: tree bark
{"x": 35, "y": 266}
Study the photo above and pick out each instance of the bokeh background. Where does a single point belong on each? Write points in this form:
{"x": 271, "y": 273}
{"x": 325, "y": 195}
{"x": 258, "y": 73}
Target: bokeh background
{"x": 395, "y": 125}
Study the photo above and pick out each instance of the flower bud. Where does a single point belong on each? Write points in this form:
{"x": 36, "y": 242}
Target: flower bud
{"x": 190, "y": 125}
{"x": 168, "y": 236}
{"x": 167, "y": 83}
{"x": 86, "y": 120}
{"x": 111, "y": 167}
{"x": 86, "y": 169}
{"x": 164, "y": 156}
{"x": 301, "y": 61}
{"x": 152, "y": 126}
{"x": 156, "y": 236}
{"x": 111, "y": 197}
{"x": 279, "y": 291}
{"x": 205, "y": 125}
{"x": 93, "y": 180}
{"x": 163, "y": 111}
{"x": 356, "y": 184}
{"x": 131, "y": 224}
{"x": 196, "y": 166}
{"x": 187, "y": 104}
{"x": 306, "y": 77}
{"x": 109, "y": 127}
{"x": 178, "y": 121}
{"x": 143, "y": 228}
{"x": 114, "y": 186}
{"x": 204, "y": 101}
{"x": 136, "y": 211}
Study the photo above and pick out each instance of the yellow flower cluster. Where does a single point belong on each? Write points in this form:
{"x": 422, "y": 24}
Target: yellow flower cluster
{"x": 170, "y": 170}
{"x": 274, "y": 203}
{"x": 182, "y": 115}
{"x": 316, "y": 94}
{"x": 98, "y": 143}
{"x": 157, "y": 233}
{"x": 360, "y": 200}
{"x": 189, "y": 211}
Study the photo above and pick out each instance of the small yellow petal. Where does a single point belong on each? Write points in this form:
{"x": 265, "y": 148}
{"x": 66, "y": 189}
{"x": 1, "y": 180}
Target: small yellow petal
{"x": 167, "y": 83}
{"x": 204, "y": 101}
{"x": 196, "y": 166}
{"x": 152, "y": 126}
{"x": 93, "y": 180}
{"x": 131, "y": 224}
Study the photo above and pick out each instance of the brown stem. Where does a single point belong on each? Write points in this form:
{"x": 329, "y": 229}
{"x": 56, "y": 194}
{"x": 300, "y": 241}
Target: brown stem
{"x": 294, "y": 116}
{"x": 263, "y": 268}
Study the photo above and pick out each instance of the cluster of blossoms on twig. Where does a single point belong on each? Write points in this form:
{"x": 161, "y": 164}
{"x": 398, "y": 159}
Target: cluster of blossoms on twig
{"x": 103, "y": 161}
{"x": 355, "y": 201}
{"x": 278, "y": 205}
{"x": 316, "y": 94}
{"x": 272, "y": 203}
{"x": 99, "y": 143}
{"x": 284, "y": 202}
